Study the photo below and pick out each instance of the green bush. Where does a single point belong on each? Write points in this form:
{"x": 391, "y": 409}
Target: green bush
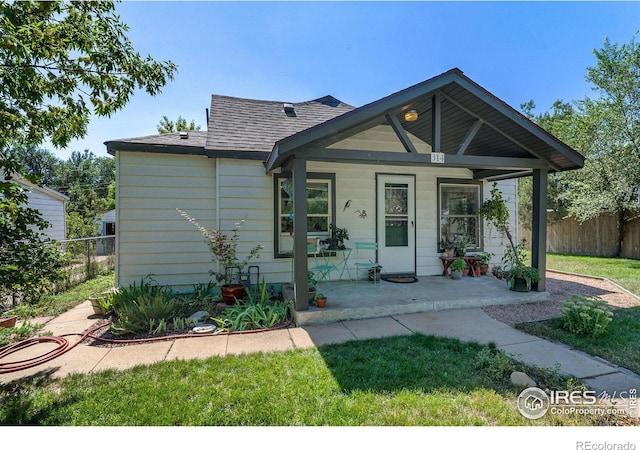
{"x": 135, "y": 314}
{"x": 586, "y": 315}
{"x": 494, "y": 362}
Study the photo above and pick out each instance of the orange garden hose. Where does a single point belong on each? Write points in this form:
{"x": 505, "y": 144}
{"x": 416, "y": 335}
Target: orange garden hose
{"x": 63, "y": 345}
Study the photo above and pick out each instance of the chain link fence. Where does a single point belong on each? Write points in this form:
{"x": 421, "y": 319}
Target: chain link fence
{"x": 88, "y": 257}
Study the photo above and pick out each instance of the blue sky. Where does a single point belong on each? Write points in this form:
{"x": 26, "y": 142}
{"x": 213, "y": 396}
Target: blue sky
{"x": 358, "y": 52}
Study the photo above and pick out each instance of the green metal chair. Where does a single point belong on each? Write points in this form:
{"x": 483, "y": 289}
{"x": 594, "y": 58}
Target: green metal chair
{"x": 320, "y": 269}
{"x": 368, "y": 251}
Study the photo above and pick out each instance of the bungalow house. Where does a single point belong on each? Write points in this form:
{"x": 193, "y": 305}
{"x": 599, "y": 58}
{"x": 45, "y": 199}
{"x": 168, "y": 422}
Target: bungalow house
{"x": 401, "y": 171}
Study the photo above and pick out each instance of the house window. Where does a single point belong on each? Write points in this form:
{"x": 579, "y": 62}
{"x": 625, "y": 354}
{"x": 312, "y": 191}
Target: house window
{"x": 458, "y": 204}
{"x": 320, "y": 209}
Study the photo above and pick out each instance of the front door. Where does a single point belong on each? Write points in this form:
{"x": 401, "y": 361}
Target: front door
{"x": 396, "y": 223}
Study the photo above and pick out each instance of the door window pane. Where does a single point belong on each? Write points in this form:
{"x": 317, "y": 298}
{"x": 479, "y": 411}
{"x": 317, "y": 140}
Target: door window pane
{"x": 396, "y": 232}
{"x": 395, "y": 199}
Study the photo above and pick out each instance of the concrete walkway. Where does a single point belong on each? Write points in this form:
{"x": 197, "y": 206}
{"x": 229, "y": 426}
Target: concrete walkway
{"x": 464, "y": 324}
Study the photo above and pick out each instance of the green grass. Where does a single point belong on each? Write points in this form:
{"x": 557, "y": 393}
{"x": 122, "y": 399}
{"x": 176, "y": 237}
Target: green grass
{"x": 620, "y": 345}
{"x": 398, "y": 381}
{"x": 53, "y": 305}
{"x": 625, "y": 272}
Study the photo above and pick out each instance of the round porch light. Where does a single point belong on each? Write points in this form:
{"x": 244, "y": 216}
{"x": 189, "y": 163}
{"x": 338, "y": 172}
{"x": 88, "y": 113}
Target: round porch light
{"x": 411, "y": 116}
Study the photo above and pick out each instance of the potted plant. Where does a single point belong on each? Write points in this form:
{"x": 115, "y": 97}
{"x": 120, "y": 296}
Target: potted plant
{"x": 520, "y": 278}
{"x": 461, "y": 244}
{"x": 338, "y": 236}
{"x": 8, "y": 321}
{"x": 374, "y": 272}
{"x": 225, "y": 253}
{"x": 495, "y": 211}
{"x": 313, "y": 283}
{"x": 102, "y": 303}
{"x": 457, "y": 268}
{"x": 484, "y": 258}
{"x": 320, "y": 300}
{"x": 448, "y": 246}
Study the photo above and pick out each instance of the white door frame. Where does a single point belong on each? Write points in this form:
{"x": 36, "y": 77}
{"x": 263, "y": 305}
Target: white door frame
{"x": 399, "y": 260}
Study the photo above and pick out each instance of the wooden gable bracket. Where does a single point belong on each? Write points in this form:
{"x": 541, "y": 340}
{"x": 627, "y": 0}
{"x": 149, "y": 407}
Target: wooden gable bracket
{"x": 469, "y": 137}
{"x": 401, "y": 133}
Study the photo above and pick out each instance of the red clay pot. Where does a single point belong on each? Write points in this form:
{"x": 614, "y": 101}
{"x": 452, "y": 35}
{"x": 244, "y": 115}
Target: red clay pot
{"x": 232, "y": 293}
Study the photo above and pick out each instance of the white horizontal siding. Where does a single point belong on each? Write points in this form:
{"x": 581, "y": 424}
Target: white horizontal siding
{"x": 153, "y": 238}
{"x": 52, "y": 210}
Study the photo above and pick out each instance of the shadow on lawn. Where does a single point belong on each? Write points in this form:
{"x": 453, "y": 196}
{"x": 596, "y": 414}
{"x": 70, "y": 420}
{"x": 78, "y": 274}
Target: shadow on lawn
{"x": 559, "y": 286}
{"x": 415, "y": 362}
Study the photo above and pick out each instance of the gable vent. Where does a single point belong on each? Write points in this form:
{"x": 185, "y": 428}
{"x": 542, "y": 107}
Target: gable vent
{"x": 289, "y": 110}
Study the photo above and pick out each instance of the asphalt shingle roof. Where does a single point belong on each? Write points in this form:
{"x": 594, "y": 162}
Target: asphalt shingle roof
{"x": 239, "y": 124}
{"x": 196, "y": 138}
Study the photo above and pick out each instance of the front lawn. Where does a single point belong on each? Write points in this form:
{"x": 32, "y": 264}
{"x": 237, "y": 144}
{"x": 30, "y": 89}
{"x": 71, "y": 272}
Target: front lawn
{"x": 398, "y": 381}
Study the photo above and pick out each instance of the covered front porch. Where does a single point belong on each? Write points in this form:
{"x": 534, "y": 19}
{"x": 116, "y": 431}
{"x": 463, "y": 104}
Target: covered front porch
{"x": 346, "y": 300}
{"x": 445, "y": 123}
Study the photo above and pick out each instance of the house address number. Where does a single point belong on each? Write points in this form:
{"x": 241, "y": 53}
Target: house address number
{"x": 437, "y": 158}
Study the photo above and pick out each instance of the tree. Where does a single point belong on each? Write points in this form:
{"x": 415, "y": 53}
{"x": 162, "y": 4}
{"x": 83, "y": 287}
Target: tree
{"x": 167, "y": 126}
{"x": 606, "y": 130}
{"x": 30, "y": 262}
{"x": 60, "y": 62}
{"x": 59, "y": 58}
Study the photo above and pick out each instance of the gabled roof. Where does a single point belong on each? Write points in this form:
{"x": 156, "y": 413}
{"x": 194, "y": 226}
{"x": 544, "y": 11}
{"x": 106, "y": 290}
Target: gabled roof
{"x": 475, "y": 129}
{"x": 458, "y": 117}
{"x": 43, "y": 189}
{"x": 245, "y": 125}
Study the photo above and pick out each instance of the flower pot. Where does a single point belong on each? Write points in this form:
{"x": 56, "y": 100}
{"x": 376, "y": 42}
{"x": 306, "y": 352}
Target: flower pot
{"x": 321, "y": 302}
{"x": 476, "y": 271}
{"x": 374, "y": 274}
{"x": 520, "y": 285}
{"x": 231, "y": 293}
{"x": 465, "y": 272}
{"x": 95, "y": 304}
{"x": 8, "y": 322}
{"x": 455, "y": 275}
{"x": 484, "y": 268}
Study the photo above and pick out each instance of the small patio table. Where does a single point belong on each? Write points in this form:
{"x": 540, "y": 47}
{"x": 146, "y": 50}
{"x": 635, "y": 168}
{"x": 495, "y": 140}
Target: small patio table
{"x": 342, "y": 263}
{"x": 472, "y": 262}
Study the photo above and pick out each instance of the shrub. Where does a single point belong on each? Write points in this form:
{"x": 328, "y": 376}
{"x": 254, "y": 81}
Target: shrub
{"x": 494, "y": 362}
{"x": 135, "y": 308}
{"x": 586, "y": 315}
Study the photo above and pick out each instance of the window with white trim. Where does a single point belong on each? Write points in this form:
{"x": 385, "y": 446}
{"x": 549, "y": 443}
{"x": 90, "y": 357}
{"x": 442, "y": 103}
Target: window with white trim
{"x": 458, "y": 204}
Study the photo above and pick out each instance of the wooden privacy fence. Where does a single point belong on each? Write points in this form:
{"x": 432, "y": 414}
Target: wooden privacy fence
{"x": 595, "y": 237}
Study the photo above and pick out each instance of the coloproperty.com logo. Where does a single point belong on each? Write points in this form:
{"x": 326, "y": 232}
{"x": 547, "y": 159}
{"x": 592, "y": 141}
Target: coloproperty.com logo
{"x": 534, "y": 403}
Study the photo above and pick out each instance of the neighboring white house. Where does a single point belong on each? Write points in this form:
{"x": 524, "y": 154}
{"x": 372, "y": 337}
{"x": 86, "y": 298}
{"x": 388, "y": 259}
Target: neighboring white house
{"x": 51, "y": 205}
{"x": 387, "y": 176}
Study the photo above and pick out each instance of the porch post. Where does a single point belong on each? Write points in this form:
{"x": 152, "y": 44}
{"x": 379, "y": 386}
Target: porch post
{"x": 539, "y": 227}
{"x": 436, "y": 122}
{"x": 300, "y": 262}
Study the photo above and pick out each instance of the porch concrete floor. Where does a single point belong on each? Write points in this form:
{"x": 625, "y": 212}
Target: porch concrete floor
{"x": 346, "y": 300}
